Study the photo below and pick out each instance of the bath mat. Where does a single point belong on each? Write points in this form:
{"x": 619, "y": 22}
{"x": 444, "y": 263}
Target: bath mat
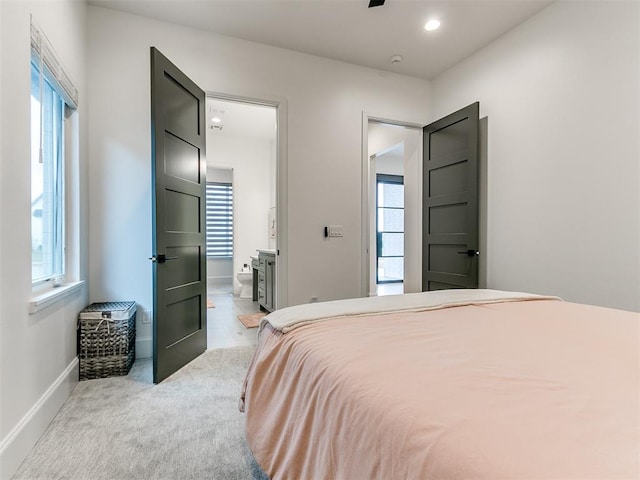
{"x": 252, "y": 320}
{"x": 210, "y": 304}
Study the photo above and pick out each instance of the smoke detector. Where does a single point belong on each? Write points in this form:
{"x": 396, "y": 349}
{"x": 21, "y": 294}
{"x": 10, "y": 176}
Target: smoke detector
{"x": 393, "y": 59}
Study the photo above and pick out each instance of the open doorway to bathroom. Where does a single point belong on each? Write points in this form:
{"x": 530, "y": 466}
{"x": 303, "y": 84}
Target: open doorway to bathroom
{"x": 241, "y": 200}
{"x": 394, "y": 153}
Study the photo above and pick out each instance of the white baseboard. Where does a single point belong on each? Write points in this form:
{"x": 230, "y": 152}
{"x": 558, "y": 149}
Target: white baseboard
{"x": 219, "y": 280}
{"x": 144, "y": 347}
{"x": 21, "y": 439}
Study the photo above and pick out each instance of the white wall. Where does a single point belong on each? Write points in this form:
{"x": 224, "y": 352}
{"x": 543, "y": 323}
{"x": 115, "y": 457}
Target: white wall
{"x": 561, "y": 97}
{"x": 250, "y": 160}
{"x": 390, "y": 164}
{"x": 37, "y": 352}
{"x": 324, "y": 100}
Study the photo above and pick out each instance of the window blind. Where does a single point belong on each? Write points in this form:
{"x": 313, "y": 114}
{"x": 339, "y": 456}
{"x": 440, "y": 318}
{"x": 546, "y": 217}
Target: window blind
{"x": 219, "y": 219}
{"x": 42, "y": 52}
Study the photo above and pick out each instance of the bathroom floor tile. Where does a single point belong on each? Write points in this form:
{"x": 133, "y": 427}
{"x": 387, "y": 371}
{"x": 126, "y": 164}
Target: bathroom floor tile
{"x": 223, "y": 327}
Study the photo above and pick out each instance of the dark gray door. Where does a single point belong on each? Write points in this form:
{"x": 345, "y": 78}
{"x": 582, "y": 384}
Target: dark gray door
{"x": 450, "y": 205}
{"x": 179, "y": 218}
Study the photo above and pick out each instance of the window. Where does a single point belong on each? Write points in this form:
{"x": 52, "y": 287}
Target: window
{"x": 219, "y": 219}
{"x": 47, "y": 179}
{"x": 390, "y": 229}
{"x": 53, "y": 99}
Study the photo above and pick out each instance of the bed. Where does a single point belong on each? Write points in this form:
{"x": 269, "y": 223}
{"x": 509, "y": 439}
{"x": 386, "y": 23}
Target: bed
{"x": 445, "y": 385}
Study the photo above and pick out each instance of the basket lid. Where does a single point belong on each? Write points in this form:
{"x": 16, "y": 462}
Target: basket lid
{"x": 113, "y": 310}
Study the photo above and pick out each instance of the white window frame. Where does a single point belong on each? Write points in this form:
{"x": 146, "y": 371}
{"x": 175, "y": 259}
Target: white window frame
{"x": 57, "y": 286}
{"x": 48, "y": 149}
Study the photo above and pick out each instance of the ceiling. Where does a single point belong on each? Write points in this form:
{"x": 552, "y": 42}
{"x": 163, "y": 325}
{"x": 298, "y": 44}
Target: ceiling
{"x": 347, "y": 30}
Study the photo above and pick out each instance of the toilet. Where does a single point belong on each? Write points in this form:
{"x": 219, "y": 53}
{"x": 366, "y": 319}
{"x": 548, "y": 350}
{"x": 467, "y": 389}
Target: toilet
{"x": 245, "y": 277}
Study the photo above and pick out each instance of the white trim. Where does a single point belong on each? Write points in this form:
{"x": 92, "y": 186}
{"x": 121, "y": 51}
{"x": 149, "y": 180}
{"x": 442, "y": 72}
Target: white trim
{"x": 364, "y": 198}
{"x": 144, "y": 347}
{"x": 221, "y": 278}
{"x": 364, "y": 208}
{"x": 282, "y": 258}
{"x": 55, "y": 294}
{"x": 21, "y": 439}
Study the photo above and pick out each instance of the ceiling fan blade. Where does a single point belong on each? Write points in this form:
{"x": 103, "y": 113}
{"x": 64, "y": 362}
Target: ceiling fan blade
{"x": 376, "y": 3}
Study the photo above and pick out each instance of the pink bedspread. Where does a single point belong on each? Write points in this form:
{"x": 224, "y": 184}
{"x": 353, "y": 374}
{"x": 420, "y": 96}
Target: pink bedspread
{"x": 538, "y": 389}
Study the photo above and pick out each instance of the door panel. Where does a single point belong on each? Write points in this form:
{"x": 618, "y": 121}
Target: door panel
{"x": 182, "y": 212}
{"x": 179, "y": 225}
{"x": 448, "y": 179}
{"x": 450, "y": 138}
{"x": 450, "y": 210}
{"x": 185, "y": 159}
{"x": 184, "y": 268}
{"x": 441, "y": 286}
{"x": 445, "y": 259}
{"x": 448, "y": 218}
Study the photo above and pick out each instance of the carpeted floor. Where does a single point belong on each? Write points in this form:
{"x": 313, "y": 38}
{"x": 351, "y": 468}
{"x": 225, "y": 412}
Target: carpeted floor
{"x": 187, "y": 427}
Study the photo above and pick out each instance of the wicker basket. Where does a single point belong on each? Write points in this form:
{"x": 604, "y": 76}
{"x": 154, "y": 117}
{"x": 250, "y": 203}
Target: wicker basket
{"x": 106, "y": 339}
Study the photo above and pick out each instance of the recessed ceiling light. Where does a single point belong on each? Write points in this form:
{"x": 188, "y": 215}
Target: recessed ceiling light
{"x": 216, "y": 120}
{"x": 432, "y": 24}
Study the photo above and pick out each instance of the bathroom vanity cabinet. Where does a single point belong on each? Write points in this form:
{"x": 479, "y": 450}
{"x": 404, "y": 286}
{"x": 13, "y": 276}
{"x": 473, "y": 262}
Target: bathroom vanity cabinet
{"x": 254, "y": 269}
{"x": 266, "y": 279}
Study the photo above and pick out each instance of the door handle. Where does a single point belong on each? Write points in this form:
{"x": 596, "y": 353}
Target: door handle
{"x": 470, "y": 253}
{"x": 161, "y": 258}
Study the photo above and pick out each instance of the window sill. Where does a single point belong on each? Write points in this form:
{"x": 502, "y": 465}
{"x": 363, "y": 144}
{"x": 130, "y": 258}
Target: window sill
{"x": 48, "y": 298}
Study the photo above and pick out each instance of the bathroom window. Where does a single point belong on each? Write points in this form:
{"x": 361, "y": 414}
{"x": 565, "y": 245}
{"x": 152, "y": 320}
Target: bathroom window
{"x": 219, "y": 219}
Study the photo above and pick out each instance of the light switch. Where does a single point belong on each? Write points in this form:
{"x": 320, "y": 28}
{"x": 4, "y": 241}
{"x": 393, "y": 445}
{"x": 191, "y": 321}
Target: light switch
{"x": 335, "y": 230}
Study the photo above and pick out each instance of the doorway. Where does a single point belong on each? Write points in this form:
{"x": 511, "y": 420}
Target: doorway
{"x": 392, "y": 207}
{"x": 445, "y": 163}
{"x": 179, "y": 128}
{"x": 241, "y": 170}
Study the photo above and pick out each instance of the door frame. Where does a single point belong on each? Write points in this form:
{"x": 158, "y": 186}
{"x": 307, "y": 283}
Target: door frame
{"x": 282, "y": 257}
{"x": 412, "y": 274}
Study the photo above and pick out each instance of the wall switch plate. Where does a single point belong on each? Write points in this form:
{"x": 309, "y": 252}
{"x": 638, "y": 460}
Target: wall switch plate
{"x": 335, "y": 230}
{"x": 146, "y": 316}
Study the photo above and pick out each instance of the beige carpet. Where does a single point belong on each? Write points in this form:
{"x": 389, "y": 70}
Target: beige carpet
{"x": 251, "y": 320}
